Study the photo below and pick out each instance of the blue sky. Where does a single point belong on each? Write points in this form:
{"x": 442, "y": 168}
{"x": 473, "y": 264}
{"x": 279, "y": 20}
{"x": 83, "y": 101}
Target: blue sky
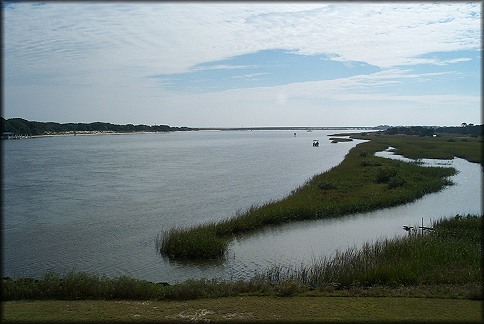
{"x": 263, "y": 68}
{"x": 236, "y": 64}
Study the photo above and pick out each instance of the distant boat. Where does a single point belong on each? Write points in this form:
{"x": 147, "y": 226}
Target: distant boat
{"x": 315, "y": 143}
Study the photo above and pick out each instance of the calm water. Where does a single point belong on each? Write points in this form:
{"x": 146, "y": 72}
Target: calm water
{"x": 97, "y": 203}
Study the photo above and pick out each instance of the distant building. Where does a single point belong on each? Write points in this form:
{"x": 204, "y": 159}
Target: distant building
{"x": 7, "y": 135}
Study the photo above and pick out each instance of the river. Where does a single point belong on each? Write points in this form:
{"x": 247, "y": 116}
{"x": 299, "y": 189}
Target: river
{"x": 97, "y": 203}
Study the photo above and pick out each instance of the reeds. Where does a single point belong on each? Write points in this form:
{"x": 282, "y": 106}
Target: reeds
{"x": 451, "y": 254}
{"x": 86, "y": 286}
{"x": 200, "y": 242}
{"x": 78, "y": 285}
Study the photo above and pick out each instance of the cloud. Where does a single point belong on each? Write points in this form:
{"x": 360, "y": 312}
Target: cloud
{"x": 250, "y": 76}
{"x": 102, "y": 54}
{"x": 356, "y": 89}
{"x": 458, "y": 60}
{"x": 222, "y": 67}
{"x": 174, "y": 37}
{"x": 346, "y": 102}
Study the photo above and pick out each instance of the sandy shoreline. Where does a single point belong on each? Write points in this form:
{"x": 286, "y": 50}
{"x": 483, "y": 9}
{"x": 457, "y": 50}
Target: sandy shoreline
{"x": 80, "y": 133}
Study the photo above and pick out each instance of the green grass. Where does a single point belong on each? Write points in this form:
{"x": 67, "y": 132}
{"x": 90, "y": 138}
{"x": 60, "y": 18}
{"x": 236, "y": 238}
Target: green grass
{"x": 245, "y": 309}
{"x": 361, "y": 183}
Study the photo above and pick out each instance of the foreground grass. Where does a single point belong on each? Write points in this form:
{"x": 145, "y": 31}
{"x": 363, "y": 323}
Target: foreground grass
{"x": 351, "y": 309}
{"x": 361, "y": 183}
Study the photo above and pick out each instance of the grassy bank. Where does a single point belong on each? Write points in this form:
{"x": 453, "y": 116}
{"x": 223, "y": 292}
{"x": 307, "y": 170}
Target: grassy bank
{"x": 444, "y": 263}
{"x": 361, "y": 183}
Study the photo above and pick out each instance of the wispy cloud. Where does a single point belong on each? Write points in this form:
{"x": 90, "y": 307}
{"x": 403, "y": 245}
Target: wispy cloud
{"x": 249, "y": 75}
{"x": 222, "y": 67}
{"x": 445, "y": 62}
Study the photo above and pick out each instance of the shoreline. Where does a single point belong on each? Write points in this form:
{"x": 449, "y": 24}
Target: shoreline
{"x": 81, "y": 133}
{"x": 84, "y": 133}
{"x": 91, "y": 133}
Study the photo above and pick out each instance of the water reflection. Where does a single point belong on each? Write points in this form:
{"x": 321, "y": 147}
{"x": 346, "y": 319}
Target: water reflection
{"x": 198, "y": 264}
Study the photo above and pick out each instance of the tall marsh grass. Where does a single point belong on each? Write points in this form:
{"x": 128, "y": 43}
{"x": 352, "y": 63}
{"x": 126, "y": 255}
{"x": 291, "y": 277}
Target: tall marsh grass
{"x": 78, "y": 285}
{"x": 361, "y": 183}
{"x": 451, "y": 254}
{"x": 192, "y": 243}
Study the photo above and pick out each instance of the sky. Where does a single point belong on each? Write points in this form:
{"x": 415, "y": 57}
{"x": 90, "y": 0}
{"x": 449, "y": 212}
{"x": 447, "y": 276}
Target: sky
{"x": 243, "y": 64}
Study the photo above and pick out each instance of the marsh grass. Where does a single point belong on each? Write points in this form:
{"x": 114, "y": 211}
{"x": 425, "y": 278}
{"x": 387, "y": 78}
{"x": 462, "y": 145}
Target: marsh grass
{"x": 445, "y": 263}
{"x": 361, "y": 183}
{"x": 193, "y": 243}
{"x": 78, "y": 285}
{"x": 339, "y": 139}
{"x": 87, "y": 286}
{"x": 440, "y": 147}
{"x": 450, "y": 255}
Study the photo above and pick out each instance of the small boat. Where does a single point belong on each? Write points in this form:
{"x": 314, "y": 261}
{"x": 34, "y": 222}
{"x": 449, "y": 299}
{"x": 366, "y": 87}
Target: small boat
{"x": 315, "y": 143}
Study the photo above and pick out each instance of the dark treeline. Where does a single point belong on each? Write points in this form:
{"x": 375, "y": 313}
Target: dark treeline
{"x": 19, "y": 126}
{"x": 473, "y": 130}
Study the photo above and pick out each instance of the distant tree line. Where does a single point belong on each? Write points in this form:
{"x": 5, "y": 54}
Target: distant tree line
{"x": 19, "y": 126}
{"x": 465, "y": 129}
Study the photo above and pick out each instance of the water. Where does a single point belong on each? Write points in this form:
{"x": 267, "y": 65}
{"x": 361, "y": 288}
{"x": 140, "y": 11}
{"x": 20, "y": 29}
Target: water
{"x": 97, "y": 203}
